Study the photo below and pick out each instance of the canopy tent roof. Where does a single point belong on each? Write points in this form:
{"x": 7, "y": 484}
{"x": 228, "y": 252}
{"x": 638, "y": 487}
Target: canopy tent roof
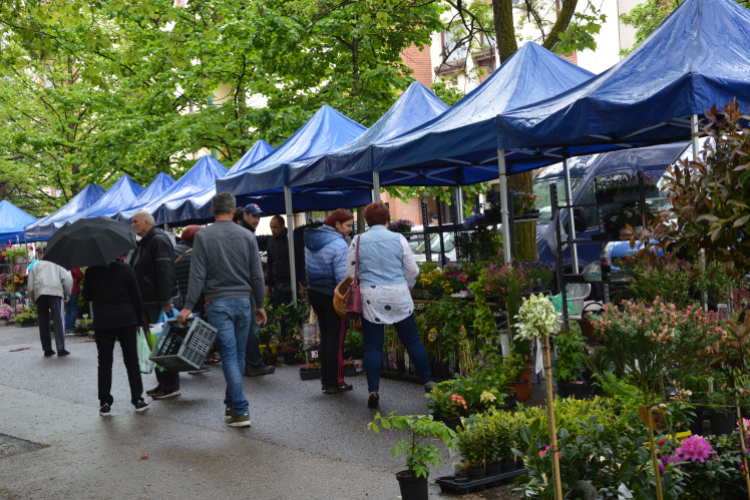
{"x": 121, "y": 194}
{"x": 198, "y": 208}
{"x": 44, "y": 228}
{"x": 352, "y": 163}
{"x": 699, "y": 56}
{"x": 326, "y": 131}
{"x": 305, "y": 200}
{"x": 12, "y": 222}
{"x": 153, "y": 192}
{"x": 197, "y": 179}
{"x": 260, "y": 150}
{"x": 460, "y": 146}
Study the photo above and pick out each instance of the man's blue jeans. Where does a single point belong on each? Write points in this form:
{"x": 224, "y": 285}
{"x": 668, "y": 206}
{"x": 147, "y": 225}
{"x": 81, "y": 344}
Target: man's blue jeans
{"x": 71, "y": 312}
{"x": 232, "y": 317}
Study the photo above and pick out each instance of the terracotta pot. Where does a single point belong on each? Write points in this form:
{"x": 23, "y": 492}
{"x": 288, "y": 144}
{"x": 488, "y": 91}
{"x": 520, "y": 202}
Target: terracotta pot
{"x": 522, "y": 388}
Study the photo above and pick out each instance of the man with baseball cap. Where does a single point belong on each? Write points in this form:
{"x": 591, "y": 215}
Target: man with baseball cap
{"x": 253, "y": 359}
{"x": 252, "y": 216}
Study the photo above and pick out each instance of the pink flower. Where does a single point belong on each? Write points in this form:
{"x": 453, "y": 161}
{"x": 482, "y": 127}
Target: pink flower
{"x": 694, "y": 448}
{"x": 459, "y": 400}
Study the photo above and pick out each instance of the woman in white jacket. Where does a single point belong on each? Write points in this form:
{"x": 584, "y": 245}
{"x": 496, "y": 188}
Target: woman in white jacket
{"x": 49, "y": 285}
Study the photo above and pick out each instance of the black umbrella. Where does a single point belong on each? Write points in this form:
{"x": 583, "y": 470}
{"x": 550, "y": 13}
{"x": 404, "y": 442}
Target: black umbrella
{"x": 90, "y": 242}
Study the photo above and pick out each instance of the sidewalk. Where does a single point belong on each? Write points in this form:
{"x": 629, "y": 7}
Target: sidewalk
{"x": 302, "y": 444}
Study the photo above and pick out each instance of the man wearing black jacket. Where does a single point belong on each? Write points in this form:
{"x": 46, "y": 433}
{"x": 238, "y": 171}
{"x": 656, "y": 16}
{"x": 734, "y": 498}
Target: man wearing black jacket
{"x": 153, "y": 263}
{"x": 279, "y": 281}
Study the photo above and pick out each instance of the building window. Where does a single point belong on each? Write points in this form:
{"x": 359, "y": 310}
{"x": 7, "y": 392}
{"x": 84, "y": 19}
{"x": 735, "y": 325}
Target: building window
{"x": 449, "y": 47}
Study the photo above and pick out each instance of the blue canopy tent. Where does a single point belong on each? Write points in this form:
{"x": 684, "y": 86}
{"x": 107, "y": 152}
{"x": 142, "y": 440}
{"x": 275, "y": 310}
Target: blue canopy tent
{"x": 326, "y": 131}
{"x": 351, "y": 164}
{"x": 697, "y": 57}
{"x": 153, "y": 192}
{"x": 44, "y": 228}
{"x": 198, "y": 209}
{"x": 200, "y": 177}
{"x": 12, "y": 222}
{"x": 121, "y": 194}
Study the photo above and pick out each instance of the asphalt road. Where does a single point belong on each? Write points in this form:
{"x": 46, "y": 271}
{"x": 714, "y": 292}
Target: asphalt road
{"x": 302, "y": 443}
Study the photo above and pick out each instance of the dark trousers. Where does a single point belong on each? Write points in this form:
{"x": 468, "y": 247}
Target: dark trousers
{"x": 105, "y": 346}
{"x": 49, "y": 308}
{"x": 374, "y": 336}
{"x": 332, "y": 332}
{"x": 279, "y": 298}
{"x": 168, "y": 381}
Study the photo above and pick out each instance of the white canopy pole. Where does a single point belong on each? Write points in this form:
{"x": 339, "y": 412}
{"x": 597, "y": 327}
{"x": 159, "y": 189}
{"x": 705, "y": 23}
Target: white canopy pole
{"x": 696, "y": 143}
{"x": 504, "y": 204}
{"x": 458, "y": 193}
{"x": 376, "y": 187}
{"x": 290, "y": 238}
{"x": 571, "y": 219}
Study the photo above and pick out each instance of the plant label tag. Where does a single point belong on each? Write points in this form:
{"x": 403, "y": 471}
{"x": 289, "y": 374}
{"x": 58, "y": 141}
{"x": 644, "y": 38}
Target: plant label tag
{"x": 462, "y": 331}
{"x": 314, "y": 354}
{"x": 657, "y": 415}
{"x": 432, "y": 335}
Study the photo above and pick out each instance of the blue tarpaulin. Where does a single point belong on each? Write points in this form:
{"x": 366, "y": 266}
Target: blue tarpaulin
{"x": 699, "y": 56}
{"x": 197, "y": 179}
{"x": 309, "y": 200}
{"x": 152, "y": 193}
{"x": 121, "y": 194}
{"x": 459, "y": 147}
{"x": 44, "y": 228}
{"x": 351, "y": 164}
{"x": 12, "y": 222}
{"x": 260, "y": 150}
{"x": 326, "y": 131}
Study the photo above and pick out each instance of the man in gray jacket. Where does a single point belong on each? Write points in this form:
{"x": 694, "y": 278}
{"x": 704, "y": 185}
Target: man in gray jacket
{"x": 49, "y": 285}
{"x": 226, "y": 267}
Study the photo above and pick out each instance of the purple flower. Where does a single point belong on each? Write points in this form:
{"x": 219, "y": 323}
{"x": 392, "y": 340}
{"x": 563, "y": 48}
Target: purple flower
{"x": 695, "y": 448}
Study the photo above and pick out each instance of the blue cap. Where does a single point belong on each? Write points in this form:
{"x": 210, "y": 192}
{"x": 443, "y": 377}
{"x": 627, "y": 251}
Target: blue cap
{"x": 254, "y": 210}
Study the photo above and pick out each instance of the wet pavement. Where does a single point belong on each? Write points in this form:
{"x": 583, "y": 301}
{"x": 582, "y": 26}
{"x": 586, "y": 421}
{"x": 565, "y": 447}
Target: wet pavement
{"x": 302, "y": 443}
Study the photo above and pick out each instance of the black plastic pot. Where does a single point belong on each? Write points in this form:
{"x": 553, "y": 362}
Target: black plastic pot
{"x": 570, "y": 389}
{"x": 519, "y": 463}
{"x": 723, "y": 423}
{"x": 508, "y": 466}
{"x": 493, "y": 470}
{"x": 510, "y": 402}
{"x": 477, "y": 473}
{"x": 412, "y": 488}
{"x": 452, "y": 423}
{"x": 695, "y": 424}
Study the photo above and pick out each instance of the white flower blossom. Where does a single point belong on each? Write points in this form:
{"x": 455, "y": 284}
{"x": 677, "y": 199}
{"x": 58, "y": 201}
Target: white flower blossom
{"x": 537, "y": 316}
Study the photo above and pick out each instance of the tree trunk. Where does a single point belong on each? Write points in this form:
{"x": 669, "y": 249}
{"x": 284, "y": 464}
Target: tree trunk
{"x": 525, "y": 231}
{"x": 355, "y": 66}
{"x": 361, "y": 219}
{"x": 563, "y": 20}
{"x": 505, "y": 32}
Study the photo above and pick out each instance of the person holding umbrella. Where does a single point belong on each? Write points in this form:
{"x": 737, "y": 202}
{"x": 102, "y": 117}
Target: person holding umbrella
{"x": 112, "y": 289}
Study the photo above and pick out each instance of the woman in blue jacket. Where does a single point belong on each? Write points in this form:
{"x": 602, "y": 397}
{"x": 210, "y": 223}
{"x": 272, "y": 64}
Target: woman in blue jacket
{"x": 386, "y": 273}
{"x": 325, "y": 263}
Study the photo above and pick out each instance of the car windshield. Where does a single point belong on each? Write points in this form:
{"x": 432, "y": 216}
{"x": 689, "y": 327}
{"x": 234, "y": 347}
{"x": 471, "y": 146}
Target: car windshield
{"x": 544, "y": 205}
{"x": 435, "y": 243}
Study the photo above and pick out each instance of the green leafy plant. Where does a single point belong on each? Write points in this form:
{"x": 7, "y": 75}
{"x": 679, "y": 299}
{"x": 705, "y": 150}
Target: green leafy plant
{"x": 417, "y": 447}
{"x": 27, "y": 316}
{"x": 571, "y": 353}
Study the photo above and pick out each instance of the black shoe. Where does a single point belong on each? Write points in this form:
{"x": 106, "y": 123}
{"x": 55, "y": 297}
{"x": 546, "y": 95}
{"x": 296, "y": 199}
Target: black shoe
{"x": 62, "y": 352}
{"x": 153, "y": 391}
{"x": 374, "y": 400}
{"x": 323, "y": 386}
{"x": 141, "y": 406}
{"x": 336, "y": 390}
{"x": 251, "y": 371}
{"x": 104, "y": 411}
{"x": 428, "y": 387}
{"x": 49, "y": 353}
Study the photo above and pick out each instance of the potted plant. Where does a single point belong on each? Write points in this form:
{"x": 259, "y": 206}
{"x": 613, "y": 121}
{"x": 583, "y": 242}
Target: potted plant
{"x": 354, "y": 345}
{"x": 417, "y": 447}
{"x": 350, "y": 368}
{"x": 401, "y": 226}
{"x": 471, "y": 442}
{"x": 446, "y": 407}
{"x": 26, "y": 317}
{"x": 571, "y": 356}
{"x": 514, "y": 367}
{"x": 5, "y": 311}
{"x": 310, "y": 371}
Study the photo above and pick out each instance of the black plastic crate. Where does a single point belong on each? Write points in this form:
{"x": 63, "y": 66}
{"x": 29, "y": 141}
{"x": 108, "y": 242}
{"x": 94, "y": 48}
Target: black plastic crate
{"x": 182, "y": 348}
{"x": 448, "y": 484}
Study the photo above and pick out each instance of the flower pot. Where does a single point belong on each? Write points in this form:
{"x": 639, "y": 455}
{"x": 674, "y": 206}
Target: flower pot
{"x": 3, "y": 322}
{"x": 508, "y": 467}
{"x": 519, "y": 463}
{"x": 270, "y": 359}
{"x": 510, "y": 402}
{"x": 570, "y": 389}
{"x": 262, "y": 348}
{"x": 290, "y": 358}
{"x": 723, "y": 423}
{"x": 526, "y": 374}
{"x": 349, "y": 371}
{"x": 477, "y": 474}
{"x": 522, "y": 388}
{"x": 310, "y": 374}
{"x": 695, "y": 424}
{"x": 412, "y": 487}
{"x": 359, "y": 364}
{"x": 452, "y": 423}
{"x": 494, "y": 470}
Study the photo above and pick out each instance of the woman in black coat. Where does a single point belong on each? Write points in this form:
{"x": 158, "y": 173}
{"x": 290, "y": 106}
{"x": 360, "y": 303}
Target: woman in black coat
{"x": 116, "y": 300}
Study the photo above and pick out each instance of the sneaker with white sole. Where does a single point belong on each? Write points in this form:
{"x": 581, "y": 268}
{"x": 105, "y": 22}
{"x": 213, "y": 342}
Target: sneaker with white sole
{"x": 104, "y": 411}
{"x": 228, "y": 414}
{"x": 166, "y": 396}
{"x": 141, "y": 406}
{"x": 202, "y": 369}
{"x": 239, "y": 420}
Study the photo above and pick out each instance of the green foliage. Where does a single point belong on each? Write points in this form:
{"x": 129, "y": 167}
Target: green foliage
{"x": 417, "y": 447}
{"x": 482, "y": 244}
{"x": 581, "y": 31}
{"x": 354, "y": 343}
{"x": 571, "y": 353}
{"x": 449, "y": 94}
{"x": 452, "y": 319}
